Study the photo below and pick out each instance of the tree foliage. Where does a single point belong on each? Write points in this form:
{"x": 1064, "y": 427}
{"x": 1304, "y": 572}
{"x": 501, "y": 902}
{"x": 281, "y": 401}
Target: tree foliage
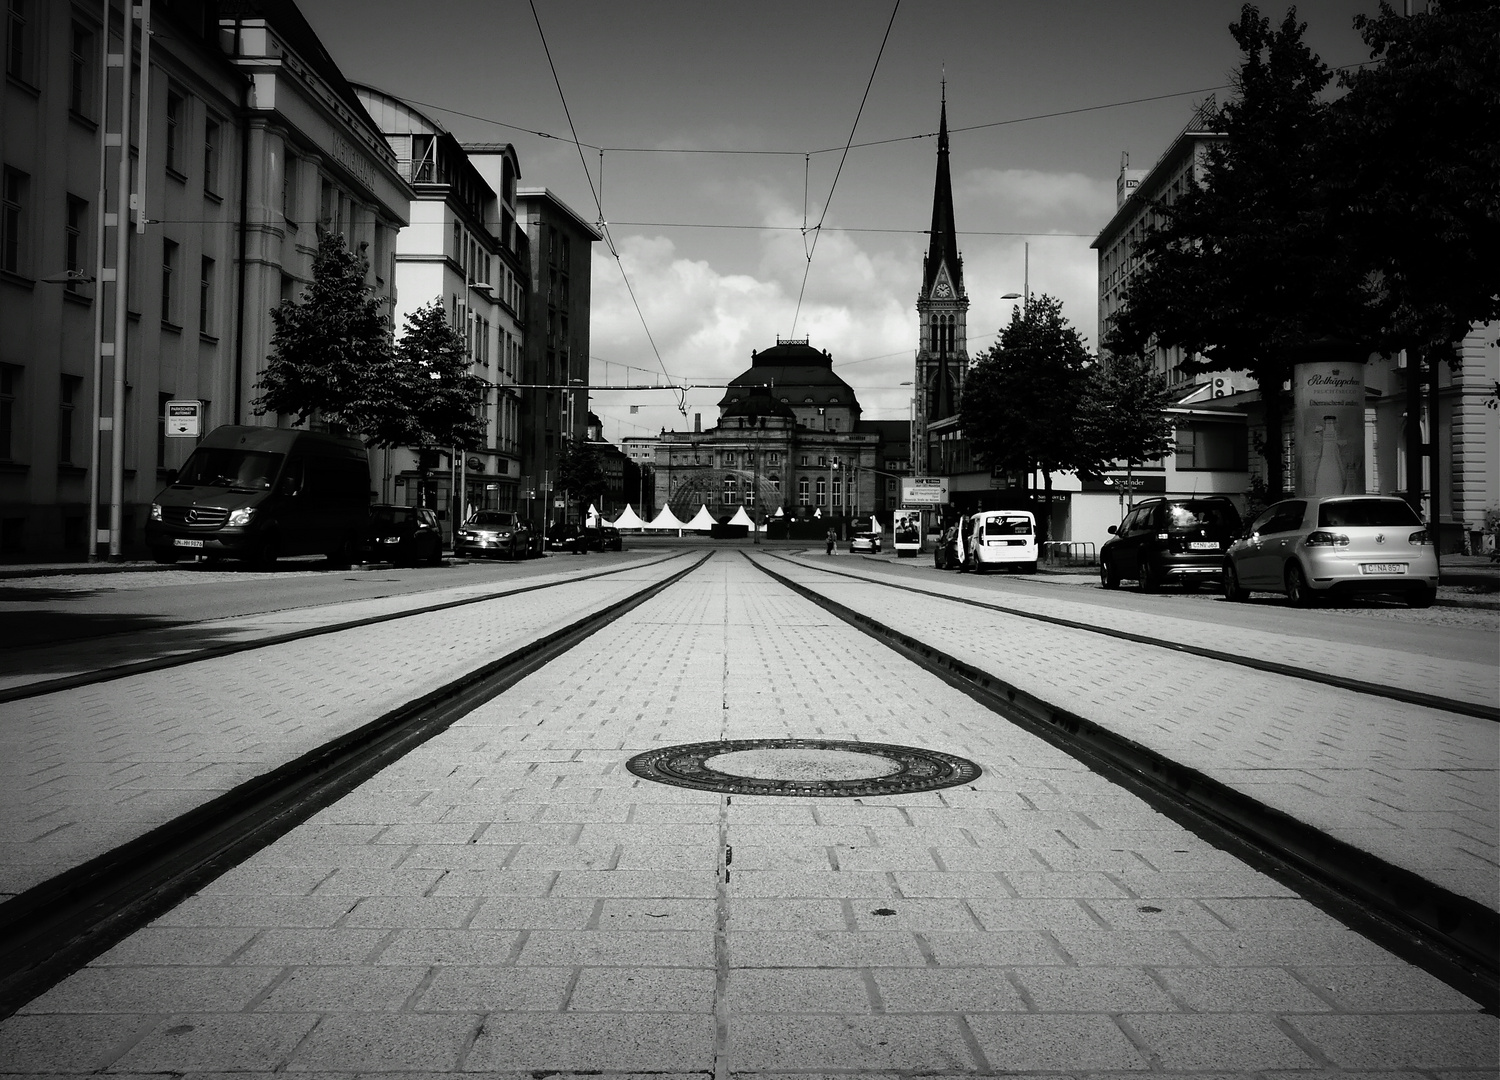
{"x": 442, "y": 404}
{"x": 1239, "y": 270}
{"x": 1122, "y": 415}
{"x": 580, "y": 472}
{"x": 1021, "y": 397}
{"x": 331, "y": 350}
{"x": 332, "y": 359}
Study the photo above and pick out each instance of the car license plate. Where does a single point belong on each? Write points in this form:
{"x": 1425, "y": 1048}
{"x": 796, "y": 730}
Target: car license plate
{"x": 179, "y": 542}
{"x": 1383, "y": 568}
{"x": 1204, "y": 545}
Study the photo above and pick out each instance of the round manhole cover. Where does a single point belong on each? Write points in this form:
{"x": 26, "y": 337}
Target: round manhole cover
{"x": 804, "y": 767}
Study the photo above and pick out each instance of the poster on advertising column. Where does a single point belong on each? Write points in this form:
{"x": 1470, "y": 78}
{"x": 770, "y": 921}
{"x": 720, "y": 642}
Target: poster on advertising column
{"x": 1329, "y": 400}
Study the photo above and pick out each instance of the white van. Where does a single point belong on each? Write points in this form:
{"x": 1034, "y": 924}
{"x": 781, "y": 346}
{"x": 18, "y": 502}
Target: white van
{"x": 1000, "y": 538}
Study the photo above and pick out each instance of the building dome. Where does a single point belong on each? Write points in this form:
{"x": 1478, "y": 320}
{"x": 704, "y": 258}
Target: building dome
{"x": 754, "y": 402}
{"x": 795, "y": 373}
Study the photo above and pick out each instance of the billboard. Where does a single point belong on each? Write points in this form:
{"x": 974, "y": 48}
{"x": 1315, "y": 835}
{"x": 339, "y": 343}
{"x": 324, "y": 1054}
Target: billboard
{"x": 924, "y": 491}
{"x": 1330, "y": 418}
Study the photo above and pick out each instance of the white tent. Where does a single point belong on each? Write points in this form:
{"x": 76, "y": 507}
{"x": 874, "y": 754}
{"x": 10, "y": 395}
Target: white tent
{"x": 628, "y": 519}
{"x": 742, "y": 518}
{"x": 778, "y": 513}
{"x": 665, "y": 520}
{"x": 702, "y": 520}
{"x": 591, "y": 519}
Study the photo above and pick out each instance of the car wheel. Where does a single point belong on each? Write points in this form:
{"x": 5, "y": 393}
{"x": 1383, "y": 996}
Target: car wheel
{"x": 1297, "y": 589}
{"x": 1109, "y": 574}
{"x": 165, "y": 556}
{"x": 1028, "y": 568}
{"x": 1233, "y": 590}
{"x": 1149, "y": 581}
{"x": 265, "y": 556}
{"x": 341, "y": 557}
{"x": 1420, "y": 597}
{"x": 435, "y": 553}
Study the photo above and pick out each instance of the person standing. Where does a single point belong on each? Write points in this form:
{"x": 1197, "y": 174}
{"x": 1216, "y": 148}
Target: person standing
{"x": 831, "y": 538}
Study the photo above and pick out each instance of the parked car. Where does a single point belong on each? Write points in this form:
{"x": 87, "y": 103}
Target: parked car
{"x": 865, "y": 540}
{"x": 603, "y": 538}
{"x": 999, "y": 539}
{"x": 1169, "y": 542}
{"x": 258, "y": 493}
{"x": 493, "y": 533}
{"x": 567, "y": 537}
{"x": 403, "y": 535}
{"x": 1334, "y": 545}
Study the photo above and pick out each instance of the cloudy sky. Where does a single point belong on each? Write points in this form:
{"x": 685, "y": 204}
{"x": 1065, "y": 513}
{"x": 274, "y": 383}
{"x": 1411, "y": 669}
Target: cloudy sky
{"x": 722, "y": 125}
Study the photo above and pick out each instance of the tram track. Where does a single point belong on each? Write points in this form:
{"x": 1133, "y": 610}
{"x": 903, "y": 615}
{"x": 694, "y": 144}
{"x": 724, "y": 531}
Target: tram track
{"x": 1447, "y": 934}
{"x": 57, "y": 926}
{"x": 42, "y": 687}
{"x": 1458, "y": 706}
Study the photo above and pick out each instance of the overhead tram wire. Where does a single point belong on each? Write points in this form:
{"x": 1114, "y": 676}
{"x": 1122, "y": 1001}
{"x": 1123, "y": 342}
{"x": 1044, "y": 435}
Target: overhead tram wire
{"x": 817, "y": 229}
{"x": 599, "y": 205}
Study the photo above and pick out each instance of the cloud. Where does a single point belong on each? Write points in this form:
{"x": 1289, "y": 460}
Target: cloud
{"x": 1065, "y": 201}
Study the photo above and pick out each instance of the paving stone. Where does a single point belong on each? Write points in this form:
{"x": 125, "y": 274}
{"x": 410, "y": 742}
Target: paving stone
{"x": 153, "y": 989}
{"x": 1389, "y": 987}
{"x": 750, "y": 883}
{"x": 672, "y": 990}
{"x": 411, "y": 911}
{"x": 1182, "y": 1043}
{"x": 331, "y": 946}
{"x": 380, "y": 1043}
{"x": 753, "y": 991}
{"x": 437, "y": 946}
{"x": 831, "y": 949}
{"x": 1131, "y": 948}
{"x": 915, "y": 914}
{"x": 249, "y": 911}
{"x": 486, "y": 989}
{"x": 1048, "y": 1043}
{"x": 1002, "y": 949}
{"x": 591, "y": 1041}
{"x": 166, "y": 946}
{"x": 351, "y": 988}
{"x": 775, "y": 913}
{"x": 946, "y": 990}
{"x": 765, "y": 1042}
{"x": 594, "y": 948}
{"x": 234, "y": 1042}
{"x": 1241, "y": 990}
{"x": 1432, "y": 1040}
{"x": 1092, "y": 990}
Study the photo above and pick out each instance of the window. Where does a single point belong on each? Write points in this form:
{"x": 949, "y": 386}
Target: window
{"x": 168, "y": 269}
{"x": 211, "y": 135}
{"x": 13, "y": 184}
{"x": 838, "y": 490}
{"x": 327, "y": 203}
{"x": 803, "y": 488}
{"x": 68, "y": 394}
{"x": 289, "y": 190}
{"x": 75, "y": 228}
{"x": 10, "y": 383}
{"x": 775, "y": 482}
{"x": 81, "y": 71}
{"x": 18, "y": 52}
{"x": 731, "y": 490}
{"x": 822, "y": 491}
{"x": 729, "y": 460}
{"x": 773, "y": 457}
{"x": 176, "y": 109}
{"x": 206, "y": 297}
{"x": 1211, "y": 446}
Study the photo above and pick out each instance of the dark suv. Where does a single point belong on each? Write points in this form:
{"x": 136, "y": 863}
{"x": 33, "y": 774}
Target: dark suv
{"x": 1170, "y": 541}
{"x": 603, "y": 538}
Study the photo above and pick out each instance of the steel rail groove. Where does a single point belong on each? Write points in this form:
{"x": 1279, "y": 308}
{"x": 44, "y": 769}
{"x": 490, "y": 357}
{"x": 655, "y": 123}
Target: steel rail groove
{"x": 161, "y": 663}
{"x": 54, "y": 928}
{"x": 1272, "y": 667}
{"x": 1442, "y": 932}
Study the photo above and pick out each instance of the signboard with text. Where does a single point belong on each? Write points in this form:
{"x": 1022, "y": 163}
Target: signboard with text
{"x": 184, "y": 419}
{"x": 921, "y": 491}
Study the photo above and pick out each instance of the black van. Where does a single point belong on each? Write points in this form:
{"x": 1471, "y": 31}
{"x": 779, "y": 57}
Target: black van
{"x": 256, "y": 493}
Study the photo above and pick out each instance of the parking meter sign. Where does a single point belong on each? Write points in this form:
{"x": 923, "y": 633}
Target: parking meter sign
{"x": 184, "y": 419}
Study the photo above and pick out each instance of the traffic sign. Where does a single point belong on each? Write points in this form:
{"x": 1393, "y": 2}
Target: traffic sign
{"x": 184, "y": 419}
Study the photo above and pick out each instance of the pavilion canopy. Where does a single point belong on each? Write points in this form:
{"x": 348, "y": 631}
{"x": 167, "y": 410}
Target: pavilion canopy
{"x": 702, "y": 520}
{"x": 665, "y": 520}
{"x": 742, "y": 518}
{"x": 628, "y": 519}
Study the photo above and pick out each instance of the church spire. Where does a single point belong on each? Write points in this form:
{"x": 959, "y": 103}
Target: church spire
{"x": 942, "y": 243}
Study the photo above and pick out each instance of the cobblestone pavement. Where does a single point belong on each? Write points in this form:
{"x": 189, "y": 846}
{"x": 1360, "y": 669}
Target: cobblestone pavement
{"x": 509, "y": 901}
{"x": 1417, "y": 787}
{"x": 84, "y": 770}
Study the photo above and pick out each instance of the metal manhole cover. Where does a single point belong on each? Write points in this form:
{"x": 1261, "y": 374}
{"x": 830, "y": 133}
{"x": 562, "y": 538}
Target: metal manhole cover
{"x": 804, "y": 767}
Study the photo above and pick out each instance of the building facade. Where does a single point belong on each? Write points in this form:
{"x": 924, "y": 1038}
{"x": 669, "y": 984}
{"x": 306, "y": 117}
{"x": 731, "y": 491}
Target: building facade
{"x": 555, "y": 364}
{"x": 461, "y": 249}
{"x": 253, "y": 141}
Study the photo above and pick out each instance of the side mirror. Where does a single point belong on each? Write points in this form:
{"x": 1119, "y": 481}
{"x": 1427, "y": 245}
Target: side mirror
{"x": 1113, "y": 529}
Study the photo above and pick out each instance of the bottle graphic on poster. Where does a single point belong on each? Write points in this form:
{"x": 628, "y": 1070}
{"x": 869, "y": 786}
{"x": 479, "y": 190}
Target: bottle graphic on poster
{"x": 1330, "y": 477}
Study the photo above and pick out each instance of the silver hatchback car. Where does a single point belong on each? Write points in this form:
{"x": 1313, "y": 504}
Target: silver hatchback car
{"x": 1335, "y": 545}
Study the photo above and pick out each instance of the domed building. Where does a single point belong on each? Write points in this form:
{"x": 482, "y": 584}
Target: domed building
{"x": 789, "y": 437}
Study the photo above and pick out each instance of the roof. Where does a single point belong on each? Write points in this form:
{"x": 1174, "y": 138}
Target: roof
{"x": 792, "y": 365}
{"x": 545, "y": 194}
{"x": 942, "y": 244}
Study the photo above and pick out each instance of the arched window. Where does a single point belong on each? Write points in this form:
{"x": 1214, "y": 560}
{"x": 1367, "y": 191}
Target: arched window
{"x": 731, "y": 490}
{"x": 775, "y": 482}
{"x": 822, "y": 491}
{"x": 804, "y": 497}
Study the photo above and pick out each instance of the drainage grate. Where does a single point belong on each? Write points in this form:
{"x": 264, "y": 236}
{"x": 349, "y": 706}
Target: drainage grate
{"x": 819, "y": 768}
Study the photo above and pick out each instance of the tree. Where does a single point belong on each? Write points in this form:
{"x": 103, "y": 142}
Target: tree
{"x": 331, "y": 351}
{"x": 1243, "y": 270}
{"x": 580, "y": 473}
{"x": 1020, "y": 404}
{"x": 1122, "y": 415}
{"x": 443, "y": 397}
{"x": 1417, "y": 148}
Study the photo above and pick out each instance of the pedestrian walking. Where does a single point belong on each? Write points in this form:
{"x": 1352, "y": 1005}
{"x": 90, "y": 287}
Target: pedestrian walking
{"x": 831, "y": 538}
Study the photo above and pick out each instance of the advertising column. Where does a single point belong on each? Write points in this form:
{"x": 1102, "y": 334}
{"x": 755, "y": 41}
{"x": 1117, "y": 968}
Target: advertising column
{"x": 1329, "y": 401}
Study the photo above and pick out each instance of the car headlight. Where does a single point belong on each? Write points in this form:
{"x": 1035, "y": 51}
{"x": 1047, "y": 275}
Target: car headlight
{"x": 241, "y": 516}
{"x": 502, "y": 536}
{"x": 156, "y": 511}
{"x": 465, "y": 534}
{"x": 390, "y": 539}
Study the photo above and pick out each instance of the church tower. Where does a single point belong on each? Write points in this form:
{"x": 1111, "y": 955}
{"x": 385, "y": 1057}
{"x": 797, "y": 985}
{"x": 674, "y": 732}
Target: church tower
{"x": 942, "y": 310}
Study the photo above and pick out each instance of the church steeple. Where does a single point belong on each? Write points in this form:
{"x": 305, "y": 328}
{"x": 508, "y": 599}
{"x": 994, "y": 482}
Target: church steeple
{"x": 942, "y": 243}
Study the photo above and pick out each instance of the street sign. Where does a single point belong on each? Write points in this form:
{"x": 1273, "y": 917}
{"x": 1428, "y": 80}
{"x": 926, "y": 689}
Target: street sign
{"x": 924, "y": 490}
{"x": 184, "y": 419}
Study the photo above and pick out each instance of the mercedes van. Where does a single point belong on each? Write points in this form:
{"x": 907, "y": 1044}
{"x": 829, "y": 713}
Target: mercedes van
{"x": 257, "y": 493}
